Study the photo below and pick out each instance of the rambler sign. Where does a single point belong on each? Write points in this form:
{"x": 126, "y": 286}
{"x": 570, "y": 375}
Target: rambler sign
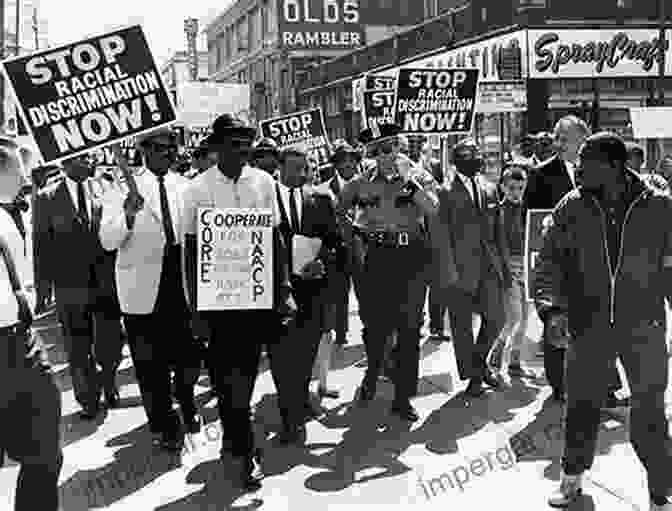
{"x": 576, "y": 53}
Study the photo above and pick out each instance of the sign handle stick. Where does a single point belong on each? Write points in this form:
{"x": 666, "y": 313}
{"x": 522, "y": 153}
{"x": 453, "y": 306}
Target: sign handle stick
{"x": 125, "y": 169}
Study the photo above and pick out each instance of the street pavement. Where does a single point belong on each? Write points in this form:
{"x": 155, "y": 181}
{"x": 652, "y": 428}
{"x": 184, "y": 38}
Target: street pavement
{"x": 498, "y": 452}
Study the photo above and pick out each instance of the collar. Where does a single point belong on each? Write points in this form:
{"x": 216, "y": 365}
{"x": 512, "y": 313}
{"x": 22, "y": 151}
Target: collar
{"x": 245, "y": 174}
{"x": 376, "y": 175}
{"x": 72, "y": 183}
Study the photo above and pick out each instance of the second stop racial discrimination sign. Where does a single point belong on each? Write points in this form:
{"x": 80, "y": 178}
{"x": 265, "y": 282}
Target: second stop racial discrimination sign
{"x": 436, "y": 101}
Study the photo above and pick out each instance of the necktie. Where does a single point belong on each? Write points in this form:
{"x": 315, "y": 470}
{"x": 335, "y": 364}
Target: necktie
{"x": 474, "y": 191}
{"x": 165, "y": 213}
{"x": 81, "y": 204}
{"x": 294, "y": 211}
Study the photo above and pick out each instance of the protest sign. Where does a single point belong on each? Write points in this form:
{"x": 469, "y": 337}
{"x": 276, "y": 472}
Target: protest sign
{"x": 534, "y": 232}
{"x": 89, "y": 94}
{"x": 199, "y": 104}
{"x": 379, "y": 106}
{"x": 304, "y": 129}
{"x": 440, "y": 101}
{"x": 374, "y": 82}
{"x": 235, "y": 259}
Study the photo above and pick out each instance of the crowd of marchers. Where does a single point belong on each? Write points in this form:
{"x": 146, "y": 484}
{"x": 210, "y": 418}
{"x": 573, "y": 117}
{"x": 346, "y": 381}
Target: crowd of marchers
{"x": 118, "y": 257}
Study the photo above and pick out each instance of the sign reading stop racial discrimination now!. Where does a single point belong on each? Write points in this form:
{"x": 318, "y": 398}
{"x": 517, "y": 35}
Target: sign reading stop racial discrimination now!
{"x": 235, "y": 259}
{"x": 89, "y": 94}
{"x": 303, "y": 129}
{"x": 538, "y": 220}
{"x": 438, "y": 101}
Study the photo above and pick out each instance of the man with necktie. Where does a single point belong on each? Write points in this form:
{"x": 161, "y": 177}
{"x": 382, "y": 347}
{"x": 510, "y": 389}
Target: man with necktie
{"x": 304, "y": 211}
{"x": 473, "y": 274}
{"x": 66, "y": 227}
{"x": 144, "y": 226}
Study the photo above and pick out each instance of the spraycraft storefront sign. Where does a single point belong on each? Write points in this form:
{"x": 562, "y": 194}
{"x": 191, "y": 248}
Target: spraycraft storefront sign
{"x": 320, "y": 24}
{"x": 578, "y": 53}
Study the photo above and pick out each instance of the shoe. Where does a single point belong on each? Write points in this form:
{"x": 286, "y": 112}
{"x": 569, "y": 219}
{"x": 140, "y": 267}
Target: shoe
{"x": 517, "y": 371}
{"x": 559, "y": 396}
{"x": 569, "y": 491}
{"x": 89, "y": 413}
{"x": 193, "y": 425}
{"x": 172, "y": 443}
{"x": 496, "y": 357}
{"x": 292, "y": 435}
{"x": 474, "y": 389}
{"x": 661, "y": 504}
{"x": 112, "y": 398}
{"x": 365, "y": 394}
{"x": 405, "y": 411}
{"x": 328, "y": 393}
{"x": 247, "y": 471}
{"x": 614, "y": 402}
{"x": 491, "y": 381}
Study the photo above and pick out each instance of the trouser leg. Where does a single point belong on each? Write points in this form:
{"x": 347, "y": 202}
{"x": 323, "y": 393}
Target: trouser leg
{"x": 554, "y": 367}
{"x": 587, "y": 381}
{"x": 491, "y": 308}
{"x": 645, "y": 360}
{"x": 437, "y": 309}
{"x": 78, "y": 338}
{"x": 108, "y": 343}
{"x": 32, "y": 438}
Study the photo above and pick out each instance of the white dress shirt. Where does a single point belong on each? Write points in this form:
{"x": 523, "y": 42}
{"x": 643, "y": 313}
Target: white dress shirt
{"x": 255, "y": 189}
{"x": 284, "y": 194}
{"x": 9, "y": 307}
{"x": 571, "y": 170}
{"x": 467, "y": 184}
{"x": 72, "y": 188}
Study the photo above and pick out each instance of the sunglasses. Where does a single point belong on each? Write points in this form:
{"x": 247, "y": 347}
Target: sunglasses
{"x": 163, "y": 148}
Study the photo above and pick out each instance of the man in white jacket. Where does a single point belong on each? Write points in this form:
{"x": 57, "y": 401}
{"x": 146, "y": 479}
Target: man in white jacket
{"x": 144, "y": 226}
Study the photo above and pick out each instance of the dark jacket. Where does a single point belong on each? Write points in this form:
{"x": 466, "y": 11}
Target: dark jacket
{"x": 547, "y": 184}
{"x": 460, "y": 235}
{"x": 67, "y": 252}
{"x": 573, "y": 274}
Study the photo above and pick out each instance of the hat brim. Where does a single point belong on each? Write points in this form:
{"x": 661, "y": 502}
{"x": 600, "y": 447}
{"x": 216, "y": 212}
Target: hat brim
{"x": 343, "y": 153}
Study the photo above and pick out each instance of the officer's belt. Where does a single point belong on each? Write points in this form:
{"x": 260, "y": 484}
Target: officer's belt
{"x": 389, "y": 238}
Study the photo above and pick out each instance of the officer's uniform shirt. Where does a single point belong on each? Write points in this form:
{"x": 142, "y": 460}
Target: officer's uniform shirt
{"x": 375, "y": 196}
{"x": 9, "y": 308}
{"x": 254, "y": 189}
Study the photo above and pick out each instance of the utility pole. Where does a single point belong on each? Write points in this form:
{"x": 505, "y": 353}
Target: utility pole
{"x": 36, "y": 29}
{"x": 3, "y": 39}
{"x": 191, "y": 31}
{"x": 661, "y": 56}
{"x": 17, "y": 28}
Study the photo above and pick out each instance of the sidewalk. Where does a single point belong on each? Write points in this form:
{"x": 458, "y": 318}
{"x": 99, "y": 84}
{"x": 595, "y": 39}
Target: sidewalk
{"x": 458, "y": 456}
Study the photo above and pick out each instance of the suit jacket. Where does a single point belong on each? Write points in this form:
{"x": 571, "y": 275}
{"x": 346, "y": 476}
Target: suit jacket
{"x": 548, "y": 183}
{"x": 459, "y": 232}
{"x": 69, "y": 255}
{"x": 318, "y": 220}
{"x": 140, "y": 251}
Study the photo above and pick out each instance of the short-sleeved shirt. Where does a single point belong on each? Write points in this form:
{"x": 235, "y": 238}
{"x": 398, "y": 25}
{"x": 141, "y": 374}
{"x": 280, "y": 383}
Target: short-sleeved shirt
{"x": 254, "y": 189}
{"x": 375, "y": 200}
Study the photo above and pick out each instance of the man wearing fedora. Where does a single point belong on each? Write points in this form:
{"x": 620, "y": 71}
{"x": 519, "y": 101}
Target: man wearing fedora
{"x": 390, "y": 223}
{"x": 233, "y": 183}
{"x": 346, "y": 160}
{"x": 144, "y": 226}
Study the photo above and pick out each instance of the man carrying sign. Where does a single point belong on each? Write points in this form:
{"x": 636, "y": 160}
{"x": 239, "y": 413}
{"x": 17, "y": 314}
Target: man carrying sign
{"x": 234, "y": 350}
{"x": 144, "y": 226}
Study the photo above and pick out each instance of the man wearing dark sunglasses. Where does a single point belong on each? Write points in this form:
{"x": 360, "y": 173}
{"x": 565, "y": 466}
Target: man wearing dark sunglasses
{"x": 392, "y": 244}
{"x": 145, "y": 227}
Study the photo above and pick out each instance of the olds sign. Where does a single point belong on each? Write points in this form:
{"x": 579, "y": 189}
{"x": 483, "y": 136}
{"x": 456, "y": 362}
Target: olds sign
{"x": 320, "y": 24}
{"x": 577, "y": 53}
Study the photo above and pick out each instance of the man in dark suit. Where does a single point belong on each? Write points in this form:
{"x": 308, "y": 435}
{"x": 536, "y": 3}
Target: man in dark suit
{"x": 431, "y": 164}
{"x": 473, "y": 272}
{"x": 549, "y": 183}
{"x": 305, "y": 212}
{"x": 345, "y": 160}
{"x": 70, "y": 255}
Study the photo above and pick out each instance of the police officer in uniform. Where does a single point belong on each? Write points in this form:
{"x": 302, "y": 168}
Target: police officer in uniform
{"x": 391, "y": 205}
